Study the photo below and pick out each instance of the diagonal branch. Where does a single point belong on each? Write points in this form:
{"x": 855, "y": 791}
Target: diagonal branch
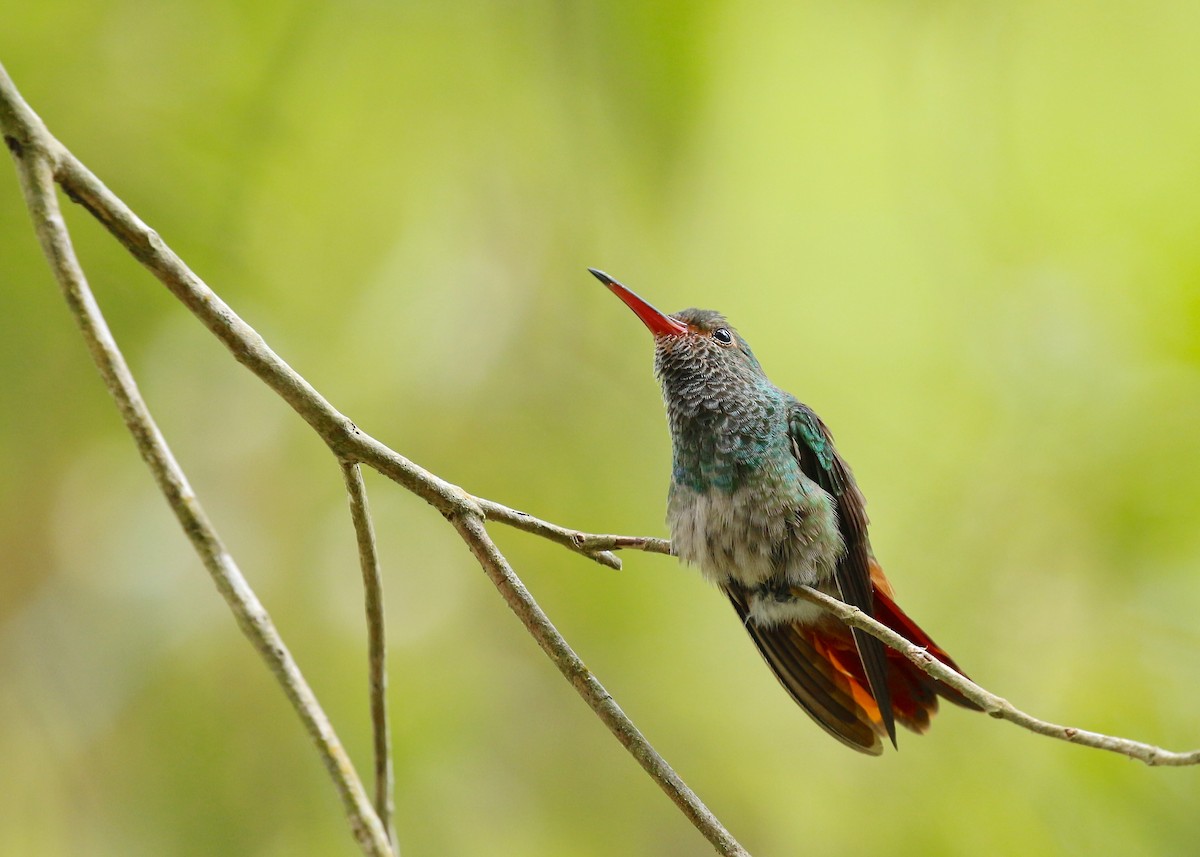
{"x": 364, "y": 531}
{"x": 34, "y": 167}
{"x": 24, "y": 133}
{"x": 471, "y": 528}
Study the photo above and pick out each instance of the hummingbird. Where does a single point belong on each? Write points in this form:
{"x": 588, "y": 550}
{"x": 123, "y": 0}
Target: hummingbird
{"x": 762, "y": 503}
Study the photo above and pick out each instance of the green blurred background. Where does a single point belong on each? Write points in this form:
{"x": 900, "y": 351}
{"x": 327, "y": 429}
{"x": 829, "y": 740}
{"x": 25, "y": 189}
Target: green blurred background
{"x": 966, "y": 235}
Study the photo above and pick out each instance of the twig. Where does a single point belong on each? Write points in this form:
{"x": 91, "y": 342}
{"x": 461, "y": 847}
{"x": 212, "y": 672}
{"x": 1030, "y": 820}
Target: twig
{"x": 364, "y": 532}
{"x": 471, "y": 528}
{"x": 595, "y": 547}
{"x": 991, "y": 703}
{"x": 34, "y": 162}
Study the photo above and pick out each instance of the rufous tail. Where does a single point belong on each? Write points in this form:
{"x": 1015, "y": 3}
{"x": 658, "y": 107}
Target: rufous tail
{"x": 819, "y": 666}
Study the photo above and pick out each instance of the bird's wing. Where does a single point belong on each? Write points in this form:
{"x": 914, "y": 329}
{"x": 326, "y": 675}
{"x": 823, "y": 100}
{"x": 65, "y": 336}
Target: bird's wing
{"x": 813, "y": 447}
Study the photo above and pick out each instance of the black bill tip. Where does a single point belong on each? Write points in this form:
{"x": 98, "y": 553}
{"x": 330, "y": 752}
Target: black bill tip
{"x": 601, "y": 276}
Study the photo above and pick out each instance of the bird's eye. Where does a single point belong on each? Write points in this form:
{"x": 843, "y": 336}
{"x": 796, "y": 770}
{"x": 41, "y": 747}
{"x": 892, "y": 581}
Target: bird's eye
{"x": 723, "y": 336}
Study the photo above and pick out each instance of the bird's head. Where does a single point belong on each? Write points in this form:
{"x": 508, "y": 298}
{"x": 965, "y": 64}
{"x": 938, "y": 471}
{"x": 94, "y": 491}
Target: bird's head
{"x": 692, "y": 344}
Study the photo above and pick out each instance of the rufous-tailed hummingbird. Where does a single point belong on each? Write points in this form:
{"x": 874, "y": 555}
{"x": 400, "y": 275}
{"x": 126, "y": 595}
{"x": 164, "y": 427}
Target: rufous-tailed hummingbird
{"x": 761, "y": 501}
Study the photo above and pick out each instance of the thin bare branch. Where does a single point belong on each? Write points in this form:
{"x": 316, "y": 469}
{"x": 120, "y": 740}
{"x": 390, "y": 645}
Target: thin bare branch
{"x": 995, "y": 706}
{"x": 595, "y": 547}
{"x": 32, "y": 152}
{"x": 364, "y": 532}
{"x": 991, "y": 703}
{"x": 471, "y": 528}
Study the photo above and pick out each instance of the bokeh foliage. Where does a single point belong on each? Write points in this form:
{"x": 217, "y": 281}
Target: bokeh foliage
{"x": 964, "y": 232}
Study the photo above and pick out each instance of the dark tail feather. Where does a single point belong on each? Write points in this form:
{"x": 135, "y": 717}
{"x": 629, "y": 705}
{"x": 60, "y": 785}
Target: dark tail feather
{"x": 820, "y": 676}
{"x": 819, "y": 666}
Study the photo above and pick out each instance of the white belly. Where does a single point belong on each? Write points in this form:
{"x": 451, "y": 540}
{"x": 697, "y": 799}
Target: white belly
{"x": 738, "y": 537}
